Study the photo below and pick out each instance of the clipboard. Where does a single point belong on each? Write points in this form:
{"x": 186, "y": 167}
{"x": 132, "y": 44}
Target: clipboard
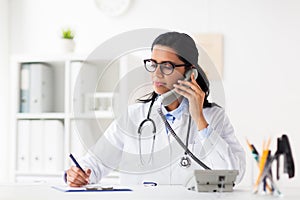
{"x": 90, "y": 189}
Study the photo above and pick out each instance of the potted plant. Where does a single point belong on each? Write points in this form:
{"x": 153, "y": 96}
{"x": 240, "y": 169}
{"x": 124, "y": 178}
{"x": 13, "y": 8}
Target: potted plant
{"x": 68, "y": 42}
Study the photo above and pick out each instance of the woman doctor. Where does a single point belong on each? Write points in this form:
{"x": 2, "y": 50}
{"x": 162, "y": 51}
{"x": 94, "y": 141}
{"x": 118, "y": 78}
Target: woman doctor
{"x": 202, "y": 126}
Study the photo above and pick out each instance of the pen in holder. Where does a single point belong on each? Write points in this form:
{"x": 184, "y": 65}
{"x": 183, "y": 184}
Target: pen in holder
{"x": 265, "y": 161}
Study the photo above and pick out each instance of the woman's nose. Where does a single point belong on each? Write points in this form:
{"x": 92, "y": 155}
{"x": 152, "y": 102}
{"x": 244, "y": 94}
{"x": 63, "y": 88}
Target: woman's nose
{"x": 158, "y": 72}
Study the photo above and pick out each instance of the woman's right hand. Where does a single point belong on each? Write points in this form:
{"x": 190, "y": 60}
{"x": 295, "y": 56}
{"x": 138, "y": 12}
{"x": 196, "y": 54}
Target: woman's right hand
{"x": 76, "y": 177}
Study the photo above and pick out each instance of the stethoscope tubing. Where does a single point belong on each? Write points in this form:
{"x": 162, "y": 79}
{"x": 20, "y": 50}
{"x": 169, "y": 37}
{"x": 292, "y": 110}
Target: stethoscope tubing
{"x": 186, "y": 149}
{"x": 168, "y": 126}
{"x": 140, "y": 139}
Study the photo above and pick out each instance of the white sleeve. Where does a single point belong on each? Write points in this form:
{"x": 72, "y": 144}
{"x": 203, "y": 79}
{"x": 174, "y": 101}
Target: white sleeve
{"x": 221, "y": 149}
{"x": 105, "y": 155}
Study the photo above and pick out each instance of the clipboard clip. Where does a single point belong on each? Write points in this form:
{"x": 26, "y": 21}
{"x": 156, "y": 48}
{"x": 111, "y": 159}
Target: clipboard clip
{"x": 93, "y": 187}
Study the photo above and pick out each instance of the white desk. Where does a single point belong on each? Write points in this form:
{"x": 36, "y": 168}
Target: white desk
{"x": 33, "y": 192}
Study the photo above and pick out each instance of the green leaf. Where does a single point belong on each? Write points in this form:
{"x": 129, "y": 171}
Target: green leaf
{"x": 67, "y": 34}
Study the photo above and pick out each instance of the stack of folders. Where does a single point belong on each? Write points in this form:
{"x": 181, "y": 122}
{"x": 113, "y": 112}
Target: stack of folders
{"x": 40, "y": 146}
{"x": 36, "y": 88}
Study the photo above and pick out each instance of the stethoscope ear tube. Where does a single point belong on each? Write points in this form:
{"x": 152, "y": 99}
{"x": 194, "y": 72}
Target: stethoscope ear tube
{"x": 179, "y": 140}
{"x": 142, "y": 124}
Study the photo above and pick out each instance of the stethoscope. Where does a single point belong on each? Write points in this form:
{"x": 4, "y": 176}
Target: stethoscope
{"x": 185, "y": 161}
{"x": 148, "y": 119}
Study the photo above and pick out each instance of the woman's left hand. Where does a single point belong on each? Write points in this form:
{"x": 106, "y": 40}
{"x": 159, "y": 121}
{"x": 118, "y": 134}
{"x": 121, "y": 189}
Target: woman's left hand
{"x": 193, "y": 92}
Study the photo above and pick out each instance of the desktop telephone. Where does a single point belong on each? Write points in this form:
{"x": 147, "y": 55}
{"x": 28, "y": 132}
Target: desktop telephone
{"x": 212, "y": 180}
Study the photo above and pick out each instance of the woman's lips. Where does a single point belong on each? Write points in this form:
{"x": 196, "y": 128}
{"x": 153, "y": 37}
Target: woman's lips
{"x": 157, "y": 83}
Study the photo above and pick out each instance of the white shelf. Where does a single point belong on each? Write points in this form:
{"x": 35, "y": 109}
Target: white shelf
{"x": 95, "y": 114}
{"x": 48, "y": 58}
{"x": 40, "y": 115}
{"x": 61, "y": 65}
{"x": 66, "y": 70}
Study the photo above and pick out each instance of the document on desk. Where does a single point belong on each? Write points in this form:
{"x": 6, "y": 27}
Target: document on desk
{"x": 90, "y": 188}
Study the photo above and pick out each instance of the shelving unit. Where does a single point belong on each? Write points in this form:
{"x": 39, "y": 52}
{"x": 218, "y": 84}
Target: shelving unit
{"x": 82, "y": 99}
{"x": 66, "y": 77}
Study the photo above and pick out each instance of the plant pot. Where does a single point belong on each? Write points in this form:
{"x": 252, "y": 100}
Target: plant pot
{"x": 68, "y": 45}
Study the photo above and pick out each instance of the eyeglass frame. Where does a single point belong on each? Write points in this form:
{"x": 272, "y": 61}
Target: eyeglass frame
{"x": 156, "y": 65}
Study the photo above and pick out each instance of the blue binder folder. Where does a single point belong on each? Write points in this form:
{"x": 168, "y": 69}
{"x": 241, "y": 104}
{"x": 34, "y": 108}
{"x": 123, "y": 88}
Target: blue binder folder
{"x": 84, "y": 189}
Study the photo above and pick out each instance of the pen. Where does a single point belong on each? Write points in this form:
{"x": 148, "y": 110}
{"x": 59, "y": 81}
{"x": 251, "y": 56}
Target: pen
{"x": 149, "y": 183}
{"x": 255, "y": 153}
{"x": 76, "y": 163}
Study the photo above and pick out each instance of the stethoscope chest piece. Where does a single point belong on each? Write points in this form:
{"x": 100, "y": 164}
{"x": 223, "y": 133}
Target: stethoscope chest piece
{"x": 185, "y": 162}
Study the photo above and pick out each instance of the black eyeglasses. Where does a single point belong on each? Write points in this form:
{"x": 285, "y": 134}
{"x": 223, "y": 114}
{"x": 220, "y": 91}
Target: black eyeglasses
{"x": 166, "y": 67}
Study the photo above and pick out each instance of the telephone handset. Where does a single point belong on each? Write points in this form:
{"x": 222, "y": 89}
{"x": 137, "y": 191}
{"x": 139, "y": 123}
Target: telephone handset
{"x": 170, "y": 96}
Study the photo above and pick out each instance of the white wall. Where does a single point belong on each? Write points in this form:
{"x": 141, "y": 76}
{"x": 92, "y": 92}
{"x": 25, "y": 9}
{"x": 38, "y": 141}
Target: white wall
{"x": 261, "y": 47}
{"x": 4, "y": 80}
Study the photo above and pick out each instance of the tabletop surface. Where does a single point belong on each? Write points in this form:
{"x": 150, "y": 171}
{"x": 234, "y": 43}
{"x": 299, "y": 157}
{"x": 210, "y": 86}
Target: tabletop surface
{"x": 32, "y": 192}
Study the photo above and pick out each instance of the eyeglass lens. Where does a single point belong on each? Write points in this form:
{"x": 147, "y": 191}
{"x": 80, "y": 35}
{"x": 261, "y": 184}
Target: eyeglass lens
{"x": 165, "y": 67}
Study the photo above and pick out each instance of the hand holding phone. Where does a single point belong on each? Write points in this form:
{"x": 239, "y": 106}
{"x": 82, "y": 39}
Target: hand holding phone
{"x": 171, "y": 96}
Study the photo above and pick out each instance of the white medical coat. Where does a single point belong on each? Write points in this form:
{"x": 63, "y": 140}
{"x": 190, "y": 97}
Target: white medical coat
{"x": 120, "y": 147}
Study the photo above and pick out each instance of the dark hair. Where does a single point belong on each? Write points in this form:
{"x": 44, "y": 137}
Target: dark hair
{"x": 187, "y": 52}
